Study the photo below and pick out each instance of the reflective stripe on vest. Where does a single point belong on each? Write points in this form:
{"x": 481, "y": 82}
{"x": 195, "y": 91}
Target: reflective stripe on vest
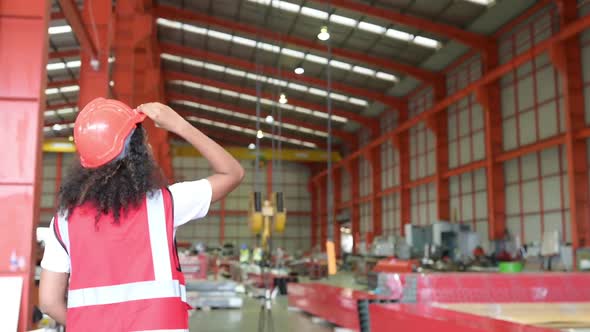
{"x": 144, "y": 290}
{"x": 164, "y": 286}
{"x": 62, "y": 229}
{"x": 163, "y": 331}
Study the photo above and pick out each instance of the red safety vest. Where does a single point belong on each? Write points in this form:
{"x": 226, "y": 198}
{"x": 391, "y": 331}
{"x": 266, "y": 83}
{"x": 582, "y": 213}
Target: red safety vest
{"x": 126, "y": 276}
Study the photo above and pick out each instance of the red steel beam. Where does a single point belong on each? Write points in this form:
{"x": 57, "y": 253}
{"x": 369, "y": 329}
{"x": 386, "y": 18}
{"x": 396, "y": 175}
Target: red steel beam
{"x": 466, "y": 168}
{"x": 567, "y": 32}
{"x": 488, "y": 97}
{"x": 245, "y": 65}
{"x": 473, "y": 40}
{"x": 355, "y": 213}
{"x": 567, "y": 58}
{"x": 59, "y": 84}
{"x": 23, "y": 57}
{"x": 312, "y": 188}
{"x": 319, "y": 142}
{"x": 171, "y": 95}
{"x": 170, "y": 75}
{"x": 94, "y": 82}
{"x": 438, "y": 123}
{"x": 74, "y": 18}
{"x": 59, "y": 106}
{"x": 376, "y": 186}
{"x": 172, "y": 13}
{"x": 401, "y": 142}
{"x": 269, "y": 181}
{"x": 64, "y": 54}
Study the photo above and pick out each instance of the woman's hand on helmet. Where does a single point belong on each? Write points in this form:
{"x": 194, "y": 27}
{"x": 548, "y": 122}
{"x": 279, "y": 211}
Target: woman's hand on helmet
{"x": 163, "y": 116}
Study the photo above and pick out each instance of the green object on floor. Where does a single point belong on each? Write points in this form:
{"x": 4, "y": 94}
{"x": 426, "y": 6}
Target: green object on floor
{"x": 510, "y": 267}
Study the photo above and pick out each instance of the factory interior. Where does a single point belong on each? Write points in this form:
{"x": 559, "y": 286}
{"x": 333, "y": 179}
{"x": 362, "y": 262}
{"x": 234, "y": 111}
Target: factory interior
{"x": 409, "y": 165}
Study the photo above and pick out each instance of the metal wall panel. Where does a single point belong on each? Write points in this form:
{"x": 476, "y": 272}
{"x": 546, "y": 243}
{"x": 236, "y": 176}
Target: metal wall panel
{"x": 423, "y": 204}
{"x": 366, "y": 218}
{"x": 391, "y": 217}
{"x": 390, "y": 165}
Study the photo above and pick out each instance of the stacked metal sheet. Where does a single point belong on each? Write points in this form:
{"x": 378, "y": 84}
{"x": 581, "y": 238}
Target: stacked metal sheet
{"x": 213, "y": 294}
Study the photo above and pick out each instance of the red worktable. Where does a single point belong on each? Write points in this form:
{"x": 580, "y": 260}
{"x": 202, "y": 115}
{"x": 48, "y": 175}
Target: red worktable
{"x": 334, "y": 304}
{"x": 498, "y": 287}
{"x": 422, "y": 317}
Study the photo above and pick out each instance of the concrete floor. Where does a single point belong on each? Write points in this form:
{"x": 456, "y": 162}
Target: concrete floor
{"x": 246, "y": 319}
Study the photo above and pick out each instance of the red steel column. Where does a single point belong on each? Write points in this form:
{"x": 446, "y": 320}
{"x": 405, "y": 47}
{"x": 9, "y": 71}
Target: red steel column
{"x": 488, "y": 97}
{"x": 58, "y": 173}
{"x": 95, "y": 73}
{"x": 355, "y": 213}
{"x": 438, "y": 124}
{"x": 23, "y": 57}
{"x": 337, "y": 179}
{"x": 323, "y": 192}
{"x": 137, "y": 69}
{"x": 567, "y": 58}
{"x": 401, "y": 143}
{"x": 222, "y": 222}
{"x": 312, "y": 187}
{"x": 376, "y": 210}
{"x": 269, "y": 179}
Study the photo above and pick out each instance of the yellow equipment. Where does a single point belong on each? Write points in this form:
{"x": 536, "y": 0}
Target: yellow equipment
{"x": 256, "y": 218}
{"x": 280, "y": 212}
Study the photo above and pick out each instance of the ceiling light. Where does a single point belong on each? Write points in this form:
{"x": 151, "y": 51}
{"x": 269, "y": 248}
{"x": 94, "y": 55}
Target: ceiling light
{"x": 483, "y": 2}
{"x": 386, "y": 76}
{"x": 283, "y": 99}
{"x": 111, "y": 83}
{"x": 59, "y": 29}
{"x": 297, "y": 87}
{"x": 293, "y": 53}
{"x": 324, "y": 34}
{"x": 55, "y": 66}
{"x": 370, "y": 27}
{"x": 71, "y": 138}
{"x": 260, "y": 134}
{"x": 350, "y": 22}
{"x": 251, "y": 146}
{"x": 269, "y": 119}
{"x": 260, "y": 45}
{"x": 299, "y": 70}
{"x": 396, "y": 34}
{"x": 342, "y": 20}
{"x": 57, "y": 127}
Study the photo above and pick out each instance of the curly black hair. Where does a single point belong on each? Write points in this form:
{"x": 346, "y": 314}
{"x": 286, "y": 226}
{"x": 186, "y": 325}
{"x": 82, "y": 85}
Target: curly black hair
{"x": 117, "y": 186}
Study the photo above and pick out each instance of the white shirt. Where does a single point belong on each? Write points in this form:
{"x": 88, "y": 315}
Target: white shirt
{"x": 191, "y": 201}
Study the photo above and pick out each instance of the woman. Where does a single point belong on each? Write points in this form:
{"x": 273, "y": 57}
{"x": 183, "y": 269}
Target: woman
{"x": 114, "y": 250}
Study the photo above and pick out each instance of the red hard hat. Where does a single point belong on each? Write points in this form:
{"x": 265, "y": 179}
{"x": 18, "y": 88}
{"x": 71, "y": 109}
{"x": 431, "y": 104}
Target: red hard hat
{"x": 101, "y": 129}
